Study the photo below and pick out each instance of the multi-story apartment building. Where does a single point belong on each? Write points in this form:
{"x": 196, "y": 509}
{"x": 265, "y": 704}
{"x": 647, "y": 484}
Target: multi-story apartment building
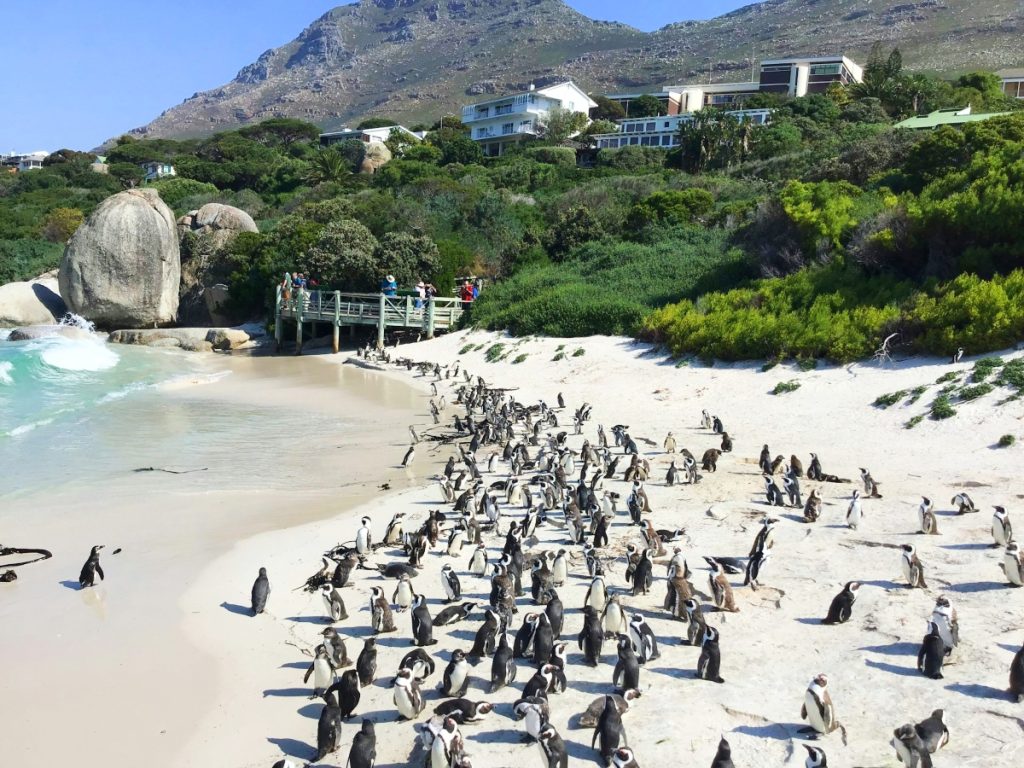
{"x": 795, "y": 77}
{"x": 499, "y": 123}
{"x": 1013, "y": 82}
{"x": 664, "y": 131}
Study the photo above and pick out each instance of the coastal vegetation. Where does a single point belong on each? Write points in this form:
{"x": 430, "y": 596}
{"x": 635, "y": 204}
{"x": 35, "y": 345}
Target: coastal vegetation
{"x": 815, "y": 236}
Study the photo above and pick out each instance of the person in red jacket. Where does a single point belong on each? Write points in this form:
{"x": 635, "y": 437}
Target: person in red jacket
{"x": 466, "y": 294}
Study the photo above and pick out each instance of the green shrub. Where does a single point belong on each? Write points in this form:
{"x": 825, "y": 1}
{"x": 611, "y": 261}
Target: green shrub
{"x": 946, "y": 377}
{"x": 25, "y": 259}
{"x": 1006, "y": 441}
{"x": 580, "y": 352}
{"x": 520, "y": 358}
{"x": 786, "y": 386}
{"x": 973, "y": 393}
{"x": 467, "y": 349}
{"x": 984, "y": 368}
{"x": 941, "y": 408}
{"x": 884, "y": 401}
{"x": 806, "y": 363}
{"x": 494, "y": 353}
{"x": 915, "y": 394}
{"x": 560, "y": 156}
{"x": 914, "y": 421}
{"x": 558, "y": 356}
{"x": 1012, "y": 375}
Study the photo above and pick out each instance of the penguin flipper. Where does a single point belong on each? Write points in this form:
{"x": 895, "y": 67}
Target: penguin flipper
{"x": 99, "y": 572}
{"x": 309, "y": 672}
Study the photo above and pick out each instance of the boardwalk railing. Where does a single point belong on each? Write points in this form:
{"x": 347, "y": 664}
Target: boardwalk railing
{"x": 352, "y": 309}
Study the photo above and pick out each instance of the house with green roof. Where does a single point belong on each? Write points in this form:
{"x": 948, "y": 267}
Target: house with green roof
{"x": 940, "y": 117}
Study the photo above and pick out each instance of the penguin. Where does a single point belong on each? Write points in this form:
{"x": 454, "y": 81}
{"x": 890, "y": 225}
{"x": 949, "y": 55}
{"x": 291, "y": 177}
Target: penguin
{"x": 814, "y": 468}
{"x": 932, "y": 653}
{"x": 366, "y": 663}
{"x": 478, "y": 561}
{"x": 957, "y": 356}
{"x": 642, "y": 638}
{"x": 561, "y": 400}
{"x": 601, "y": 530}
{"x": 613, "y": 619}
{"x": 454, "y": 614}
{"x": 1013, "y": 564}
{"x": 364, "y": 539}
{"x": 623, "y": 758}
{"x": 464, "y": 711}
{"x": 1017, "y": 676}
{"x": 322, "y": 672}
{"x": 709, "y": 461}
{"x": 503, "y": 665}
{"x": 870, "y": 486}
{"x": 910, "y": 749}
{"x": 525, "y": 635}
{"x": 381, "y": 619}
{"x": 92, "y": 569}
{"x": 710, "y": 662}
{"x": 455, "y": 541}
{"x": 773, "y": 493}
{"x": 419, "y": 663}
{"x": 393, "y": 533}
{"x": 705, "y": 419}
{"x": 672, "y": 476}
{"x": 328, "y": 732}
{"x": 1002, "y": 531}
{"x": 534, "y": 712}
{"x": 841, "y": 609}
{"x": 560, "y": 568}
{"x": 343, "y": 570}
{"x": 555, "y": 613}
{"x": 716, "y": 425}
{"x": 483, "y": 643}
{"x": 543, "y": 640}
{"x": 726, "y": 443}
{"x": 933, "y": 732}
{"x": 696, "y": 625}
{"x": 345, "y": 694}
{"x": 963, "y": 503}
{"x": 755, "y": 564}
{"x": 721, "y": 590}
{"x": 553, "y": 747}
{"x": 609, "y": 731}
{"x": 627, "y": 669}
{"x": 946, "y": 622}
{"x": 336, "y": 651}
{"x": 422, "y": 624}
{"x": 409, "y": 456}
{"x": 926, "y": 517}
{"x": 723, "y": 757}
{"x": 260, "y": 589}
{"x": 364, "y": 747}
{"x": 796, "y": 466}
{"x": 817, "y": 708}
{"x": 812, "y": 509}
{"x": 643, "y": 573}
{"x": 450, "y": 582}
{"x": 334, "y": 604}
{"x": 589, "y": 717}
{"x": 815, "y": 757}
{"x": 792, "y": 486}
{"x": 913, "y": 571}
{"x": 591, "y": 638}
{"x": 854, "y": 512}
{"x": 456, "y": 675}
{"x": 407, "y": 697}
{"x": 597, "y": 594}
{"x": 538, "y": 684}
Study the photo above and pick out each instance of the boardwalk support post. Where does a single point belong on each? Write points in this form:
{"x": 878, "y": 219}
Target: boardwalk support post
{"x": 300, "y": 300}
{"x": 430, "y": 317}
{"x": 380, "y": 322}
{"x": 336, "y": 342}
{"x": 278, "y": 323}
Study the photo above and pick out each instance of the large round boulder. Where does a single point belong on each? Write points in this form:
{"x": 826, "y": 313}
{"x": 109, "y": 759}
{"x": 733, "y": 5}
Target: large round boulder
{"x": 33, "y": 303}
{"x": 206, "y": 234}
{"x": 122, "y": 267}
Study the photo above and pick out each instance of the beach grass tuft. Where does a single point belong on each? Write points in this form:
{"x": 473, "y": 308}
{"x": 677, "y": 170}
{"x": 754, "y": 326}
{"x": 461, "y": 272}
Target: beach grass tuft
{"x": 786, "y": 386}
{"x": 1006, "y": 441}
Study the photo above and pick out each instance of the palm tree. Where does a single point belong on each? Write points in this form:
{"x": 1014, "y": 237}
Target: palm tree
{"x": 328, "y": 165}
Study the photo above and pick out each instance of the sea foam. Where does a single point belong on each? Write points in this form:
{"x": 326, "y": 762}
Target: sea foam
{"x": 74, "y": 355}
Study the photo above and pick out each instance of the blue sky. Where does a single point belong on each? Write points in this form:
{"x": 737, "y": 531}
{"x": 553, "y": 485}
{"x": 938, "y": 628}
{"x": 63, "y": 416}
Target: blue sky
{"x": 74, "y": 73}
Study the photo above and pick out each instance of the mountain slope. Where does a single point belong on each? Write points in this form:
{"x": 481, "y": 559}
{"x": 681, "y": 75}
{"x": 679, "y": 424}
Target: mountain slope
{"x": 416, "y": 59}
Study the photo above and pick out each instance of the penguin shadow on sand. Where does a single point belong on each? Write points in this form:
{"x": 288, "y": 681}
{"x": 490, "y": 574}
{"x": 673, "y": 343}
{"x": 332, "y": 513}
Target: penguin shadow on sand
{"x": 463, "y": 634}
{"x": 894, "y": 669}
{"x": 975, "y": 547}
{"x": 593, "y": 687}
{"x": 294, "y": 748}
{"x": 977, "y": 586}
{"x": 291, "y": 692}
{"x": 238, "y": 610}
{"x": 777, "y": 731}
{"x": 74, "y": 586}
{"x": 583, "y": 753}
{"x": 978, "y": 691}
{"x": 311, "y": 710}
{"x": 899, "y": 648}
{"x": 308, "y": 619}
{"x": 295, "y": 665}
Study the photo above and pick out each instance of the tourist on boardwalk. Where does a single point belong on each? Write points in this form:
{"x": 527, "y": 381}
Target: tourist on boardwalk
{"x": 466, "y": 294}
{"x": 388, "y": 286}
{"x": 286, "y": 287}
{"x": 421, "y": 294}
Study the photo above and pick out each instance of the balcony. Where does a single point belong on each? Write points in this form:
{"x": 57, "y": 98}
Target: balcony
{"x": 527, "y": 102}
{"x": 500, "y": 131}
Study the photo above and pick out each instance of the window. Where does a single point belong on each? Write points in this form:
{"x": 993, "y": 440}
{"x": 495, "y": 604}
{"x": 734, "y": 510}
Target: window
{"x": 652, "y": 127}
{"x": 504, "y": 109}
{"x": 508, "y": 128}
{"x": 777, "y": 68}
{"x": 666, "y": 124}
{"x": 634, "y": 139}
{"x": 666, "y": 140}
{"x": 826, "y": 69}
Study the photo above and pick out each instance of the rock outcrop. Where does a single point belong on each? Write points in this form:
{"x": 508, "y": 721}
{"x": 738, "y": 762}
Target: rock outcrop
{"x": 30, "y": 332}
{"x": 203, "y": 292}
{"x": 377, "y": 155}
{"x": 123, "y": 265}
{"x": 189, "y": 339}
{"x": 33, "y": 303}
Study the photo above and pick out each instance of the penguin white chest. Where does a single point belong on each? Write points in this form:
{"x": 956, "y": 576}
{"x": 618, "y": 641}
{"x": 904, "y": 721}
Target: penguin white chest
{"x": 1012, "y": 567}
{"x": 814, "y": 713}
{"x": 458, "y": 676}
{"x": 323, "y": 675}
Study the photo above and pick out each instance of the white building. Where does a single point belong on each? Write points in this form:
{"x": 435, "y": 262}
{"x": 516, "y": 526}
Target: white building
{"x": 663, "y": 131}
{"x": 1013, "y": 82}
{"x": 498, "y": 123}
{"x": 156, "y": 170}
{"x": 367, "y": 135}
{"x": 29, "y": 161}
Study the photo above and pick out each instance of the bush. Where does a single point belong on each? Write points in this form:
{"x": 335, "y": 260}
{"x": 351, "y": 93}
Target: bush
{"x": 941, "y": 408}
{"x": 560, "y": 156}
{"x": 973, "y": 393}
{"x": 632, "y": 158}
{"x": 494, "y": 353}
{"x": 26, "y": 259}
{"x": 786, "y": 386}
{"x": 173, "y": 191}
{"x": 884, "y": 401}
{"x": 520, "y": 358}
{"x": 1006, "y": 441}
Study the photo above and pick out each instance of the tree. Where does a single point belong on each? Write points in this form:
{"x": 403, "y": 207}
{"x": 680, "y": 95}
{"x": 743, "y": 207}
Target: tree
{"x": 281, "y": 131}
{"x": 572, "y": 228}
{"x": 375, "y": 122}
{"x": 344, "y": 257}
{"x": 129, "y": 174}
{"x": 60, "y": 224}
{"x": 561, "y": 124}
{"x": 62, "y": 156}
{"x": 329, "y": 165}
{"x": 672, "y": 207}
{"x": 408, "y": 257}
{"x": 646, "y": 106}
{"x": 713, "y": 139}
{"x": 599, "y": 126}
{"x": 606, "y": 109}
{"x": 456, "y": 147}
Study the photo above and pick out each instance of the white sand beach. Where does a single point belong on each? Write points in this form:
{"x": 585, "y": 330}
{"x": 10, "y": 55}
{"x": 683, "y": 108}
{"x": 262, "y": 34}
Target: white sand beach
{"x": 233, "y": 694}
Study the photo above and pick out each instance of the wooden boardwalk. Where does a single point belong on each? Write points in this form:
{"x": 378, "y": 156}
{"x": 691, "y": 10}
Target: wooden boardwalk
{"x": 339, "y": 309}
